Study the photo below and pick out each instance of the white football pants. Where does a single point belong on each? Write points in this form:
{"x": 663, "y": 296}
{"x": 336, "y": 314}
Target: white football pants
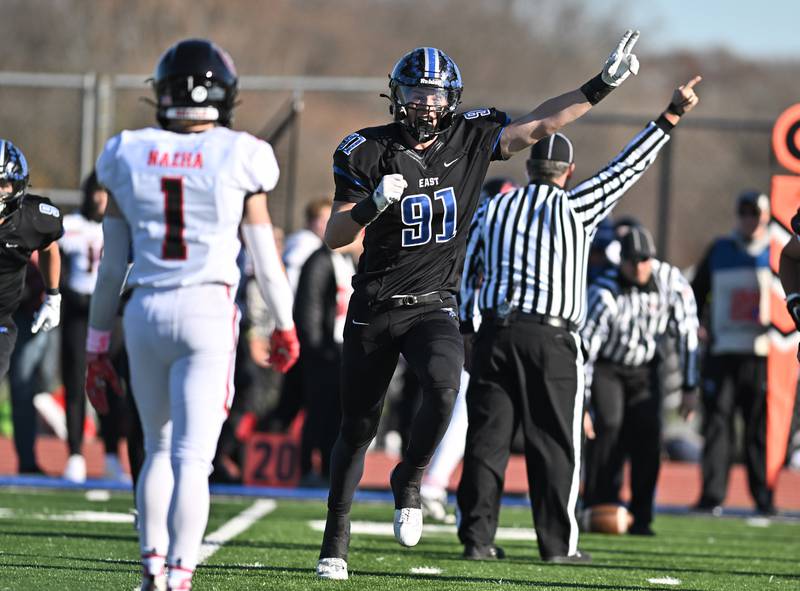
{"x": 181, "y": 346}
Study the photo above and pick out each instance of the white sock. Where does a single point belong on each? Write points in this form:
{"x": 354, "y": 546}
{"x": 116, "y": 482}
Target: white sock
{"x": 179, "y": 577}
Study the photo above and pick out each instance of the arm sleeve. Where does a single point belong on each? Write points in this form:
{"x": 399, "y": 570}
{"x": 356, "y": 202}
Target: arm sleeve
{"x": 596, "y": 329}
{"x": 593, "y": 199}
{"x": 268, "y": 269}
{"x": 310, "y": 303}
{"x": 110, "y": 274}
{"x": 473, "y": 269}
{"x": 685, "y": 323}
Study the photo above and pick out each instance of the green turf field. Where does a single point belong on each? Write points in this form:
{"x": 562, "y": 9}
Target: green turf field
{"x": 40, "y": 550}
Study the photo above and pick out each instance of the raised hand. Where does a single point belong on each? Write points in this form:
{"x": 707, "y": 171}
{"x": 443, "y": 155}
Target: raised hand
{"x": 621, "y": 63}
{"x": 684, "y": 99}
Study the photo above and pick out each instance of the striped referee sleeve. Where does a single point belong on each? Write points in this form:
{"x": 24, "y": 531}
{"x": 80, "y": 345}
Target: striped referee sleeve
{"x": 685, "y": 324}
{"x": 593, "y": 199}
{"x": 473, "y": 269}
{"x": 602, "y": 308}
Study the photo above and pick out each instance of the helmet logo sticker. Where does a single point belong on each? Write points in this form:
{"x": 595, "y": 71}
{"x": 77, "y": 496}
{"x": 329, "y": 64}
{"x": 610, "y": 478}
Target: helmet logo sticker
{"x": 199, "y": 94}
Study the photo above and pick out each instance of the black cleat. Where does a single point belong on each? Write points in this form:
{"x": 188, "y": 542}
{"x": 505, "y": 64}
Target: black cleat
{"x": 641, "y": 530}
{"x": 577, "y": 558}
{"x": 483, "y": 552}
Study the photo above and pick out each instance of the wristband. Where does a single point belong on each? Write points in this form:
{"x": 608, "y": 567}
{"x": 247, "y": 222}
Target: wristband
{"x": 365, "y": 212}
{"x": 51, "y": 291}
{"x": 595, "y": 90}
{"x": 664, "y": 124}
{"x": 98, "y": 341}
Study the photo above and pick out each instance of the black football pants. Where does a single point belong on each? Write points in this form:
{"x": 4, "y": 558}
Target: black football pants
{"x": 428, "y": 337}
{"x": 531, "y": 374}
{"x": 734, "y": 382}
{"x": 627, "y": 423}
{"x": 8, "y": 337}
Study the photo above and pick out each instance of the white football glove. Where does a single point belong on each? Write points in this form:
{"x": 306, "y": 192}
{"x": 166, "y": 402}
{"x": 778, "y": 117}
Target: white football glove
{"x": 389, "y": 191}
{"x": 49, "y": 314}
{"x": 621, "y": 63}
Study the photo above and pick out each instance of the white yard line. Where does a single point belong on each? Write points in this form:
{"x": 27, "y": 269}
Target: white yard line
{"x": 376, "y": 528}
{"x": 215, "y": 540}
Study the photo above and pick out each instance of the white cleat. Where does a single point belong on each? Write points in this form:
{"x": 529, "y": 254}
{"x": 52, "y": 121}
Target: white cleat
{"x": 332, "y": 568}
{"x": 408, "y": 526}
{"x": 434, "y": 505}
{"x": 75, "y": 470}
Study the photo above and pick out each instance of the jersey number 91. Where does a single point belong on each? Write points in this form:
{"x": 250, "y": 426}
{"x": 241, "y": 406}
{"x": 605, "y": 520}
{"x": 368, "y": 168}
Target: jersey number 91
{"x": 417, "y": 214}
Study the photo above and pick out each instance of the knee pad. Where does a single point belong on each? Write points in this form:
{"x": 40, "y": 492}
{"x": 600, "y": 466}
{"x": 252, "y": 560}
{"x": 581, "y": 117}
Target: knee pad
{"x": 358, "y": 431}
{"x": 442, "y": 400}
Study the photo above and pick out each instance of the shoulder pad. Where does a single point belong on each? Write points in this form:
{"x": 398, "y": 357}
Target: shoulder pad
{"x": 45, "y": 216}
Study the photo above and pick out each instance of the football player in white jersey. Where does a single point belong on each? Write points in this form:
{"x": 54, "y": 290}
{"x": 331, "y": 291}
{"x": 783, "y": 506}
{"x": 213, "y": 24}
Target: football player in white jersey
{"x": 179, "y": 197}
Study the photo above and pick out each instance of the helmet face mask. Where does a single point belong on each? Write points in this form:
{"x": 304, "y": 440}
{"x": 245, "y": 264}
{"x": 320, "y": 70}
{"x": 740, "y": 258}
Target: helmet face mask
{"x": 425, "y": 88}
{"x": 14, "y": 177}
{"x": 195, "y": 80}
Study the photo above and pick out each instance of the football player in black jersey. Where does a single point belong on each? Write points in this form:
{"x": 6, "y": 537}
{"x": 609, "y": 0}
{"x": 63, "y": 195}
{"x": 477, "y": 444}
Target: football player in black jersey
{"x": 414, "y": 184}
{"x": 28, "y": 224}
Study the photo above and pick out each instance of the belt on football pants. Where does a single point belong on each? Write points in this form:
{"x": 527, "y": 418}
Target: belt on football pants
{"x": 404, "y": 301}
{"x": 517, "y": 316}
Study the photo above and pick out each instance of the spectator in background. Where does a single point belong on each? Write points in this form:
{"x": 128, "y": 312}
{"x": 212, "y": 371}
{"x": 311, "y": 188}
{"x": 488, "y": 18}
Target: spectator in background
{"x": 320, "y": 309}
{"x": 301, "y": 244}
{"x": 81, "y": 247}
{"x": 732, "y": 286}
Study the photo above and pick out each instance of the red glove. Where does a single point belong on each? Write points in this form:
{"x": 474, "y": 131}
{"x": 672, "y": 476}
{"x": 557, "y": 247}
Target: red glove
{"x": 99, "y": 374}
{"x": 284, "y": 349}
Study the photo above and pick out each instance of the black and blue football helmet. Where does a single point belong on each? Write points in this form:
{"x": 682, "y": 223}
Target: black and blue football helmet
{"x": 14, "y": 170}
{"x": 428, "y": 82}
{"x": 195, "y": 80}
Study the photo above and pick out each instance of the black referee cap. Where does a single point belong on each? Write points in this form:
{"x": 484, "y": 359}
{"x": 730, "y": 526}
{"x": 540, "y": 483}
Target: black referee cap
{"x": 555, "y": 147}
{"x": 637, "y": 244}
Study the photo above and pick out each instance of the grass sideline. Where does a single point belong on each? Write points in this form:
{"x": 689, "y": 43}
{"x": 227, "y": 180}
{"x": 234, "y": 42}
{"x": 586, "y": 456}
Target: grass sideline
{"x": 39, "y": 550}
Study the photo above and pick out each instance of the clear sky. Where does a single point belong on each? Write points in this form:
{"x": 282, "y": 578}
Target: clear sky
{"x": 750, "y": 28}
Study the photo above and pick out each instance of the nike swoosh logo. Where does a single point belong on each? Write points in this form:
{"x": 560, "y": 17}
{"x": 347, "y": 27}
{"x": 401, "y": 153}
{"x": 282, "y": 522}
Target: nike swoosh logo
{"x": 360, "y": 323}
{"x": 449, "y": 164}
{"x": 9, "y": 245}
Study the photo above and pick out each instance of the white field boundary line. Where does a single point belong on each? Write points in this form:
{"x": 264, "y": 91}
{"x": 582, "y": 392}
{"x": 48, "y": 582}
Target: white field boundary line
{"x": 232, "y": 528}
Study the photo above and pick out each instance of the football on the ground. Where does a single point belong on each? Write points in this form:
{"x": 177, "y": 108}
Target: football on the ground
{"x": 606, "y": 519}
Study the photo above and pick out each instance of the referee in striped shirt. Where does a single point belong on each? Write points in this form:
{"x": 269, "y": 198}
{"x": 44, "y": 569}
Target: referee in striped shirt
{"x": 630, "y": 310}
{"x": 528, "y": 250}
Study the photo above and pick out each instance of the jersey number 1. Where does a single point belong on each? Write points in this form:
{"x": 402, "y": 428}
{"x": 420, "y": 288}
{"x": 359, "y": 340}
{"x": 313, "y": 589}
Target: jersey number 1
{"x": 173, "y": 247}
{"x": 417, "y": 212}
